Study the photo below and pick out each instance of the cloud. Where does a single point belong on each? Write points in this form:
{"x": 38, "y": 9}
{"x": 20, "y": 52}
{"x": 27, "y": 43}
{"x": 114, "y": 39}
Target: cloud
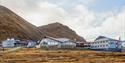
{"x": 108, "y": 24}
{"x": 78, "y": 17}
{"x": 112, "y": 26}
{"x": 46, "y": 13}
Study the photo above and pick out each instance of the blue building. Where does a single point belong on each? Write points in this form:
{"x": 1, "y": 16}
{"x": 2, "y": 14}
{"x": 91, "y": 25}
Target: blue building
{"x": 123, "y": 46}
{"x": 9, "y": 43}
{"x": 105, "y": 43}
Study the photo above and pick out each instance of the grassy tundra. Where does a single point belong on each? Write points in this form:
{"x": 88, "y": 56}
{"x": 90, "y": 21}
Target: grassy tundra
{"x": 63, "y": 56}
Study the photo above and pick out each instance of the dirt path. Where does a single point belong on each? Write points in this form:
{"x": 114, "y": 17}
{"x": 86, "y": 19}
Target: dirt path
{"x": 10, "y": 50}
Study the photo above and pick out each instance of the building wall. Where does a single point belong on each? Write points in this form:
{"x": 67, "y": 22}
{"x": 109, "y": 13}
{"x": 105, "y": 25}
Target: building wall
{"x": 8, "y": 43}
{"x": 31, "y": 44}
{"x": 99, "y": 45}
{"x": 104, "y": 44}
{"x": 50, "y": 43}
{"x": 123, "y": 46}
{"x": 113, "y": 44}
{"x": 67, "y": 44}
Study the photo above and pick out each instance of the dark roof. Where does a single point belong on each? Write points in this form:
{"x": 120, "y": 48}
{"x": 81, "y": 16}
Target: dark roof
{"x": 101, "y": 37}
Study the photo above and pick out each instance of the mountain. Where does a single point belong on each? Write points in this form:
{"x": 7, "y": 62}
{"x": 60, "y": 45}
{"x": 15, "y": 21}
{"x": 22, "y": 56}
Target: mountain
{"x": 12, "y": 25}
{"x": 58, "y": 30}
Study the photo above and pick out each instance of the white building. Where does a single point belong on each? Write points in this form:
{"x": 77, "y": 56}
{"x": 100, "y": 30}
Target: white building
{"x": 105, "y": 43}
{"x": 67, "y": 44}
{"x": 123, "y": 46}
{"x": 9, "y": 43}
{"x": 31, "y": 44}
{"x": 50, "y": 42}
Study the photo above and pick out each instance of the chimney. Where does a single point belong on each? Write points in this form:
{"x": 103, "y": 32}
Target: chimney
{"x": 120, "y": 38}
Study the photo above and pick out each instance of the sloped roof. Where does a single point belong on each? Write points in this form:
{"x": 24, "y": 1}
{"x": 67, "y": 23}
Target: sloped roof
{"x": 61, "y": 40}
{"x": 101, "y": 37}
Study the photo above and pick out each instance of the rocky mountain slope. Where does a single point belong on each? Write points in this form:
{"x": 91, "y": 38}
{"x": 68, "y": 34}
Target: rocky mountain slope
{"x": 58, "y": 30}
{"x": 12, "y": 25}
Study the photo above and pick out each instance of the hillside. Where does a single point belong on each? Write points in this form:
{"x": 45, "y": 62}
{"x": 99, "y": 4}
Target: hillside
{"x": 12, "y": 25}
{"x": 58, "y": 30}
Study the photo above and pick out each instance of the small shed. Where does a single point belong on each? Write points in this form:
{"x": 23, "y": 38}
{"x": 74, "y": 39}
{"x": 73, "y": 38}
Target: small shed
{"x": 31, "y": 44}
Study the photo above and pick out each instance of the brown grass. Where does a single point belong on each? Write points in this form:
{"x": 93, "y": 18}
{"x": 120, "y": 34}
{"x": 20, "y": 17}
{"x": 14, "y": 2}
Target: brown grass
{"x": 63, "y": 56}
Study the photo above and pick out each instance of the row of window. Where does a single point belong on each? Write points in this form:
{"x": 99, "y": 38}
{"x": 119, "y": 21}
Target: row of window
{"x": 100, "y": 42}
{"x": 100, "y": 46}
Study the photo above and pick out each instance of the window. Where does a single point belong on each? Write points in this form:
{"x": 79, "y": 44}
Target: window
{"x": 106, "y": 44}
{"x": 44, "y": 43}
{"x": 111, "y": 43}
{"x": 103, "y": 45}
{"x": 103, "y": 41}
{"x": 98, "y": 42}
{"x": 100, "y": 45}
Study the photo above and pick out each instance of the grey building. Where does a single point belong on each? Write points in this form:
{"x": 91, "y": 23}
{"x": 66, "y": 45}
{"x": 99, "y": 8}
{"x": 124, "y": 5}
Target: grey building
{"x": 57, "y": 43}
{"x": 105, "y": 43}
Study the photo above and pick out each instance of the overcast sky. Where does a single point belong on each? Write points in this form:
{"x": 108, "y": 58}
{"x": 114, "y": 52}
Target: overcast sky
{"x": 89, "y": 18}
